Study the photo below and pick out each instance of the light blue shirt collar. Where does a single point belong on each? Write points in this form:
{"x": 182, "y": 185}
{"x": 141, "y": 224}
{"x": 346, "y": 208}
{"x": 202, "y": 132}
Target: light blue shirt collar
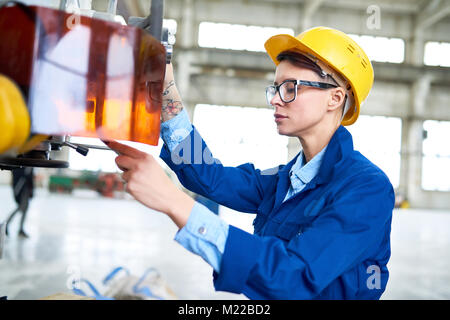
{"x": 306, "y": 172}
{"x": 301, "y": 173}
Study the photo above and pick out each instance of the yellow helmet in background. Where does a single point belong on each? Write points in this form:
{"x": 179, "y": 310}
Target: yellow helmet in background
{"x": 337, "y": 50}
{"x": 14, "y": 117}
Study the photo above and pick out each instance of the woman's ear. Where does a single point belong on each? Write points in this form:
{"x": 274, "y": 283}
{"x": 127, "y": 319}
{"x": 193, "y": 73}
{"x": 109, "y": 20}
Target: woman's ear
{"x": 336, "y": 98}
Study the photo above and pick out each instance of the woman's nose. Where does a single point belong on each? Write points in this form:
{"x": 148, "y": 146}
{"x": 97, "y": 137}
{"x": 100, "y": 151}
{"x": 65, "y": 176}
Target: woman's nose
{"x": 276, "y": 100}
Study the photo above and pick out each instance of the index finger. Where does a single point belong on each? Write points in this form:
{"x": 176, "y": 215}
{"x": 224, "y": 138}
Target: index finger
{"x": 121, "y": 148}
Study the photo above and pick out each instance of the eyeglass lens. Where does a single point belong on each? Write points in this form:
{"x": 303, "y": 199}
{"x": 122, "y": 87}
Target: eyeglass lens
{"x": 287, "y": 92}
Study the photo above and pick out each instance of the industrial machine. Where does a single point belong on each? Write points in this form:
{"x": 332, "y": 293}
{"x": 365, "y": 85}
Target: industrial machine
{"x": 65, "y": 74}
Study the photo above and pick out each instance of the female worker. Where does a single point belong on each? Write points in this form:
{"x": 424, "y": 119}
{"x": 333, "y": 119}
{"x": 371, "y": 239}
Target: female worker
{"x": 322, "y": 226}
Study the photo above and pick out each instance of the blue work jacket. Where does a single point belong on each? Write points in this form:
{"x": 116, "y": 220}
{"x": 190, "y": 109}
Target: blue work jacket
{"x": 330, "y": 241}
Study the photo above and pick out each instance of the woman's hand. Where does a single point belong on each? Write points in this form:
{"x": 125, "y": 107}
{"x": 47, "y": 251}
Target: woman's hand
{"x": 147, "y": 182}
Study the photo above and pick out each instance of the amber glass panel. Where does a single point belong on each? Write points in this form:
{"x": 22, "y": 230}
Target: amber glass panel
{"x": 83, "y": 76}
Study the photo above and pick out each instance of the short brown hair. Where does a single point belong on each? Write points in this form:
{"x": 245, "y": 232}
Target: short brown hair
{"x": 300, "y": 60}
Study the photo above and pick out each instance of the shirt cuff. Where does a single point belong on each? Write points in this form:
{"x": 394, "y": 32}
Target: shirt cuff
{"x": 204, "y": 234}
{"x": 175, "y": 130}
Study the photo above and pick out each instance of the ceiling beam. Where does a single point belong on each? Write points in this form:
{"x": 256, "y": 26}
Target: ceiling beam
{"x": 309, "y": 9}
{"x": 398, "y": 7}
{"x": 432, "y": 13}
{"x": 259, "y": 63}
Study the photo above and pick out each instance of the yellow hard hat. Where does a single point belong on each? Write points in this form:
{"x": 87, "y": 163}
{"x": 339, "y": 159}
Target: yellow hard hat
{"x": 14, "y": 117}
{"x": 340, "y": 52}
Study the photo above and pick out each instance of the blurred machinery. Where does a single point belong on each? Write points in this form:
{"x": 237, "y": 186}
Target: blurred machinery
{"x": 108, "y": 185}
{"x": 78, "y": 73}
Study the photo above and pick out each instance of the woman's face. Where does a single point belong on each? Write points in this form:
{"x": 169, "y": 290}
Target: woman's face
{"x": 307, "y": 110}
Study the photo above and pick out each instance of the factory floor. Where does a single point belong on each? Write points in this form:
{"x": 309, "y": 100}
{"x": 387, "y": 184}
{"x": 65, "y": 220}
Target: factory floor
{"x": 85, "y": 235}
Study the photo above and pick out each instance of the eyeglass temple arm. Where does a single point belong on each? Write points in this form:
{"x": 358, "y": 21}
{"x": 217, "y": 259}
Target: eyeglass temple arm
{"x": 316, "y": 84}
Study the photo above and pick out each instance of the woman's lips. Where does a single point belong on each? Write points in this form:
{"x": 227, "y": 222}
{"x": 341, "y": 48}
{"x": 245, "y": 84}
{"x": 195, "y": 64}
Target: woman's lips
{"x": 279, "y": 117}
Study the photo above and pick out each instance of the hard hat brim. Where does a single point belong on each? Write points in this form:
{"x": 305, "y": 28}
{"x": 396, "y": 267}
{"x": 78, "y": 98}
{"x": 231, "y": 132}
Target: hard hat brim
{"x": 284, "y": 42}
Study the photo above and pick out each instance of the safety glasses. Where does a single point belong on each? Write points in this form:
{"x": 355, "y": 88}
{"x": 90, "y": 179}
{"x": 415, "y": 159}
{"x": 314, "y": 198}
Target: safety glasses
{"x": 288, "y": 89}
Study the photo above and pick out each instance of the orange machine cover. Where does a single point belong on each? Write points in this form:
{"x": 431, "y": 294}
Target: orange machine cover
{"x": 83, "y": 76}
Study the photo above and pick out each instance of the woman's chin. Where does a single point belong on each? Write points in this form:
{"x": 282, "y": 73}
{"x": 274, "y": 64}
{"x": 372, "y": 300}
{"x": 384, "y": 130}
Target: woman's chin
{"x": 289, "y": 132}
{"x": 283, "y": 131}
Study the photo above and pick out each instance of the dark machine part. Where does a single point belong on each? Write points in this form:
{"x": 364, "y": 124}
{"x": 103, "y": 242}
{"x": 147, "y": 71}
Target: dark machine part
{"x": 40, "y": 156}
{"x": 153, "y": 24}
{"x": 156, "y": 18}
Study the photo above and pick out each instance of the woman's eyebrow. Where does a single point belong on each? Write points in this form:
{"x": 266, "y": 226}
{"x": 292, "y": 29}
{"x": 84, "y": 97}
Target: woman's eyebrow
{"x": 276, "y": 83}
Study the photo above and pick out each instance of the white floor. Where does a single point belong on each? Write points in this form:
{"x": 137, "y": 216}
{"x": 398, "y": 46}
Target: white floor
{"x": 91, "y": 235}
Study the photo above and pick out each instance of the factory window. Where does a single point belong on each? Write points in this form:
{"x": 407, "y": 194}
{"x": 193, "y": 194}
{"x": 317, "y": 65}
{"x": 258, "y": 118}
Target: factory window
{"x": 236, "y": 36}
{"x": 103, "y": 160}
{"x": 237, "y": 135}
{"x": 379, "y": 140}
{"x": 437, "y": 54}
{"x": 436, "y": 156}
{"x": 375, "y": 48}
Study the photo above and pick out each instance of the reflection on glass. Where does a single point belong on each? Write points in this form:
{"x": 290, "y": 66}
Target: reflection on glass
{"x": 93, "y": 79}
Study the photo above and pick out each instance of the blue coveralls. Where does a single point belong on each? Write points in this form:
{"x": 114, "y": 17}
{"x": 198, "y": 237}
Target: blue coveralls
{"x": 330, "y": 241}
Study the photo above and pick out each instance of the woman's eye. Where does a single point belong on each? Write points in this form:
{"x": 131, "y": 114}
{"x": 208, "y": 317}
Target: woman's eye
{"x": 290, "y": 90}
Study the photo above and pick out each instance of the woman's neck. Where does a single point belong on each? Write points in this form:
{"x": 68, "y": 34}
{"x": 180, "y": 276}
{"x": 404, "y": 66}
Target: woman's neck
{"x": 316, "y": 139}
